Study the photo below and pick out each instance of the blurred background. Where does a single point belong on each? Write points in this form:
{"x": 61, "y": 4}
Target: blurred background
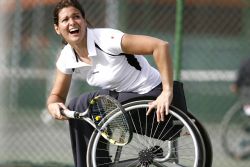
{"x": 215, "y": 40}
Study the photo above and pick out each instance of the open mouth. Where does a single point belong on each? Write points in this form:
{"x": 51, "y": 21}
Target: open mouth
{"x": 74, "y": 31}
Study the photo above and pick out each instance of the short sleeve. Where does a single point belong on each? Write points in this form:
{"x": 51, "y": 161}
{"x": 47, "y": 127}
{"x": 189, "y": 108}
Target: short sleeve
{"x": 62, "y": 61}
{"x": 110, "y": 40}
{"x": 115, "y": 40}
{"x": 61, "y": 67}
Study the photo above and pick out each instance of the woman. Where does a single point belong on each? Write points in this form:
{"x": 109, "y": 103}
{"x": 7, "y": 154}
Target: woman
{"x": 111, "y": 60}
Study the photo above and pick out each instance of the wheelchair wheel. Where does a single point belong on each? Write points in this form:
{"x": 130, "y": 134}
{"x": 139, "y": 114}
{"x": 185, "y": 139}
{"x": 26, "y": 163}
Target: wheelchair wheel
{"x": 174, "y": 142}
{"x": 206, "y": 140}
{"x": 235, "y": 132}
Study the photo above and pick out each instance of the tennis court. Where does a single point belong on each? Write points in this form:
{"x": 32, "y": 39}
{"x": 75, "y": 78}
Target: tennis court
{"x": 34, "y": 146}
{"x": 215, "y": 40}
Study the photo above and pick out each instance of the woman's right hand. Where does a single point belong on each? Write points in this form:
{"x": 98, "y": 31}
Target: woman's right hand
{"x": 54, "y": 110}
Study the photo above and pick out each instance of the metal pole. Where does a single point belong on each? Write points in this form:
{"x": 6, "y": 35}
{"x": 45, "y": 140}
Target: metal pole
{"x": 178, "y": 39}
{"x": 3, "y": 84}
{"x": 112, "y": 13}
{"x": 15, "y": 53}
{"x": 3, "y": 57}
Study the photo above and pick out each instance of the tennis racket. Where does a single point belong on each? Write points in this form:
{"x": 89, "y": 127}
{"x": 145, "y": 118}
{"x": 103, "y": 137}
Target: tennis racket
{"x": 107, "y": 116}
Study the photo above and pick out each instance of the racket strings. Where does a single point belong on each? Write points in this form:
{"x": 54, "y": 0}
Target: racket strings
{"x": 100, "y": 108}
{"x": 117, "y": 130}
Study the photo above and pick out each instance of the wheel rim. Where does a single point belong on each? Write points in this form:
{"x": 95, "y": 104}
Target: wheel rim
{"x": 167, "y": 158}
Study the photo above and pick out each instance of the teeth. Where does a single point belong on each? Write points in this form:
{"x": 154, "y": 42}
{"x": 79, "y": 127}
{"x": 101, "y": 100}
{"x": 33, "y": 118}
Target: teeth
{"x": 73, "y": 29}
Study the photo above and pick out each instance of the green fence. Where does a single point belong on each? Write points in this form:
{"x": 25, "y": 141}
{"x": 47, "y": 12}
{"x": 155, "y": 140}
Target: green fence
{"x": 215, "y": 40}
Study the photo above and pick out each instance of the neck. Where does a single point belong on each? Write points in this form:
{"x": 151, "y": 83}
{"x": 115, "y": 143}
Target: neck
{"x": 82, "y": 52}
{"x": 81, "y": 49}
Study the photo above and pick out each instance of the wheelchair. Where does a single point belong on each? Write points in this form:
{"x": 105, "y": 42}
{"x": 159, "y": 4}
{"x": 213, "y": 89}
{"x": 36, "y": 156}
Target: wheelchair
{"x": 181, "y": 140}
{"x": 235, "y": 128}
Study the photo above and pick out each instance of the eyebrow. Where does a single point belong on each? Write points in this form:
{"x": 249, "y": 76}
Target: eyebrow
{"x": 73, "y": 14}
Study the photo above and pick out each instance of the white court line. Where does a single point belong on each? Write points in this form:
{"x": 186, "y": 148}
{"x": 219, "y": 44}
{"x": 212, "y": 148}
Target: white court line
{"x": 208, "y": 75}
{"x": 186, "y": 75}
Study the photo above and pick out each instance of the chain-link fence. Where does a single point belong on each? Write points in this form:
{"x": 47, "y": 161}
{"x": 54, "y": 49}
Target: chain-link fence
{"x": 216, "y": 38}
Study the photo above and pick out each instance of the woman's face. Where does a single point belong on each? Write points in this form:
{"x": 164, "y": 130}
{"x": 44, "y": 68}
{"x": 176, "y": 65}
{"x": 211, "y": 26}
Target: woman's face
{"x": 71, "y": 25}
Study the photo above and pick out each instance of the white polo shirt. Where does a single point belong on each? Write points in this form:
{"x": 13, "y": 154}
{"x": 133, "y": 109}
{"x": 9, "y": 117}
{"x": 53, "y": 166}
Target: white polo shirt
{"x": 110, "y": 68}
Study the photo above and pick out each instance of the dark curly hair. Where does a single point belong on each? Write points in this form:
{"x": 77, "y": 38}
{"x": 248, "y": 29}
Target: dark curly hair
{"x": 67, "y": 3}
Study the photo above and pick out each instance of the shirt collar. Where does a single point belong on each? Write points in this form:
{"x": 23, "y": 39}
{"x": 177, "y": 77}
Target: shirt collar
{"x": 91, "y": 42}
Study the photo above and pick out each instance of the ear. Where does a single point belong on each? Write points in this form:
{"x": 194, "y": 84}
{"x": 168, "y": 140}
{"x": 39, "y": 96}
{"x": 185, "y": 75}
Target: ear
{"x": 57, "y": 29}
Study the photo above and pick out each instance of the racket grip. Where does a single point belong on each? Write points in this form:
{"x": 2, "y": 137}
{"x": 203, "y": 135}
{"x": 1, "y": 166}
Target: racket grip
{"x": 67, "y": 113}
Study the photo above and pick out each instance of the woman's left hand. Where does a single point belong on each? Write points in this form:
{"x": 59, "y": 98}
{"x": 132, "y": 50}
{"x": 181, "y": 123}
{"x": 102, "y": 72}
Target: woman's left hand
{"x": 161, "y": 104}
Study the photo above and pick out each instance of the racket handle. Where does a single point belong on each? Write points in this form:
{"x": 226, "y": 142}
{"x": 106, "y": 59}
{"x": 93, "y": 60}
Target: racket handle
{"x": 68, "y": 113}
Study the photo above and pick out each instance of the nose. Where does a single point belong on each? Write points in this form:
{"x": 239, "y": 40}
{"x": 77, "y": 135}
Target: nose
{"x": 71, "y": 21}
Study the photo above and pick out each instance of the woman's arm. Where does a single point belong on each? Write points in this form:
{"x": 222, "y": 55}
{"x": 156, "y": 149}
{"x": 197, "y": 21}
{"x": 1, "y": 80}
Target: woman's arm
{"x": 58, "y": 94}
{"x": 145, "y": 45}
